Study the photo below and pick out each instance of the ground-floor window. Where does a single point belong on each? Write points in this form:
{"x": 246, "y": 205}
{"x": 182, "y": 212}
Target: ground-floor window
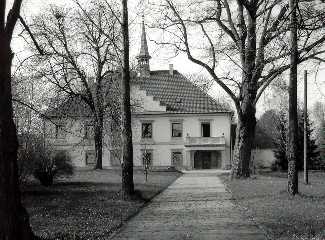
{"x": 115, "y": 157}
{"x": 90, "y": 157}
{"x": 147, "y": 157}
{"x": 177, "y": 158}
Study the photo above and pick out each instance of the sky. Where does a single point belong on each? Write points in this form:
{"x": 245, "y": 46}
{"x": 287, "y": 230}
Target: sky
{"x": 162, "y": 58}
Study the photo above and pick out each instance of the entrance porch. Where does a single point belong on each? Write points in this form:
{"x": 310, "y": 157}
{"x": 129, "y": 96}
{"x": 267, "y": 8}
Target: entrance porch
{"x": 205, "y": 153}
{"x": 204, "y": 159}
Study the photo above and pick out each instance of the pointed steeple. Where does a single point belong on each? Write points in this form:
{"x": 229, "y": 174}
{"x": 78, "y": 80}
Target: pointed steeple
{"x": 143, "y": 57}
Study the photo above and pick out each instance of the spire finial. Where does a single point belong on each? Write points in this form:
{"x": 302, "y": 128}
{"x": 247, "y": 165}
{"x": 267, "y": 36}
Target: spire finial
{"x": 143, "y": 57}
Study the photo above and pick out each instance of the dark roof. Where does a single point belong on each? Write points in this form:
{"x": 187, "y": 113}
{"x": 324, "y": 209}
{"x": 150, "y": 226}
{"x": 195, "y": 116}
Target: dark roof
{"x": 177, "y": 93}
{"x": 71, "y": 107}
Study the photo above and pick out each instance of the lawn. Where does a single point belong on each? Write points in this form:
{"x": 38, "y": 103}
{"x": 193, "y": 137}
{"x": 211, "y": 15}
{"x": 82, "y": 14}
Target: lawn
{"x": 88, "y": 205}
{"x": 265, "y": 200}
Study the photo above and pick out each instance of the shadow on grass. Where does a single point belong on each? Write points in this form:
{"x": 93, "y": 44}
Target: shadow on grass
{"x": 73, "y": 188}
{"x": 311, "y": 197}
{"x": 89, "y": 205}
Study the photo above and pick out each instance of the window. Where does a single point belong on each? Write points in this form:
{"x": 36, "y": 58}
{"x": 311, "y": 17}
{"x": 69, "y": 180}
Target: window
{"x": 60, "y": 153}
{"x": 177, "y": 129}
{"x": 147, "y": 157}
{"x": 177, "y": 159}
{"x": 146, "y": 130}
{"x": 89, "y": 131}
{"x": 90, "y": 157}
{"x": 59, "y": 131}
{"x": 115, "y": 134}
{"x": 205, "y": 129}
{"x": 115, "y": 157}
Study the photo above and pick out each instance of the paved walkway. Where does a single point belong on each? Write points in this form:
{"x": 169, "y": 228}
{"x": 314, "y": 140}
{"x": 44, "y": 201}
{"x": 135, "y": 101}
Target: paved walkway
{"x": 195, "y": 206}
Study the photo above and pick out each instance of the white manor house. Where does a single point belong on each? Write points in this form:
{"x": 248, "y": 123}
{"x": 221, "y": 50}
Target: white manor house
{"x": 179, "y": 125}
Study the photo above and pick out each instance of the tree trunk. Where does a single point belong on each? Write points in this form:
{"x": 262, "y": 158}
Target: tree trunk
{"x": 14, "y": 220}
{"x": 98, "y": 136}
{"x": 127, "y": 148}
{"x": 245, "y": 134}
{"x": 293, "y": 119}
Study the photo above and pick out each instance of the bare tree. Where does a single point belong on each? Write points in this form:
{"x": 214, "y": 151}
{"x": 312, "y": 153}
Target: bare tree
{"x": 81, "y": 58}
{"x": 127, "y": 147}
{"x": 14, "y": 222}
{"x": 243, "y": 45}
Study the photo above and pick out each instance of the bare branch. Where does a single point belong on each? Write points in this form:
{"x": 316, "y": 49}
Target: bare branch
{"x": 39, "y": 49}
{"x": 12, "y": 18}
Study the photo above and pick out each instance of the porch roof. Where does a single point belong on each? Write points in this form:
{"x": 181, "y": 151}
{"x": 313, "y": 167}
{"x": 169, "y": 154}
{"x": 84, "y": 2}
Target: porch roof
{"x": 205, "y": 143}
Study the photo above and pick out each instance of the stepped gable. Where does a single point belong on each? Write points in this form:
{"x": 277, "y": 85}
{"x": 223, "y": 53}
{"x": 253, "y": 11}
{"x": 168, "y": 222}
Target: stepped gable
{"x": 177, "y": 93}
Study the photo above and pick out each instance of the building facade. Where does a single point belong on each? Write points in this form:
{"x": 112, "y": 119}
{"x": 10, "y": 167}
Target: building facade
{"x": 175, "y": 125}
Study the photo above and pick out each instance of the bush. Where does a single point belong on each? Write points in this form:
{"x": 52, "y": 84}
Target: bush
{"x": 274, "y": 167}
{"x": 52, "y": 165}
{"x": 24, "y": 159}
{"x": 42, "y": 161}
{"x": 29, "y": 145}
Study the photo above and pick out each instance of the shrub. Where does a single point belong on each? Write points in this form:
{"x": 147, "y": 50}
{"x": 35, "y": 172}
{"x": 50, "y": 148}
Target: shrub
{"x": 51, "y": 165}
{"x": 274, "y": 167}
{"x": 281, "y": 143}
{"x": 25, "y": 168}
{"x": 29, "y": 145}
{"x": 40, "y": 160}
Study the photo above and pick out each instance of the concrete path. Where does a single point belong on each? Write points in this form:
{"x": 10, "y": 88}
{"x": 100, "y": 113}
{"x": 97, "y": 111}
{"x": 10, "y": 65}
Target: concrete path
{"x": 195, "y": 206}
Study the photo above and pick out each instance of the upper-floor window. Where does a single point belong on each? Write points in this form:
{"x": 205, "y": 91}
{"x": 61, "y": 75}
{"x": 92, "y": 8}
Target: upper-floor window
{"x": 89, "y": 131}
{"x": 177, "y": 129}
{"x": 205, "y": 129}
{"x": 146, "y": 130}
{"x": 59, "y": 131}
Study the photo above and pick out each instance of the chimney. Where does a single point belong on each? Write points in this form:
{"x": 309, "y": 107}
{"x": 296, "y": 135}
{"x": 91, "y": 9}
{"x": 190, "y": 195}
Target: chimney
{"x": 171, "y": 69}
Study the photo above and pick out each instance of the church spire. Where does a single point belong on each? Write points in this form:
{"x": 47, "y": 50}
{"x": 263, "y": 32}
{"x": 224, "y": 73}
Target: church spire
{"x": 143, "y": 57}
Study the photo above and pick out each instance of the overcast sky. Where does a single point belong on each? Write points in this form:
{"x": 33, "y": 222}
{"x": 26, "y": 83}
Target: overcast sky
{"x": 160, "y": 59}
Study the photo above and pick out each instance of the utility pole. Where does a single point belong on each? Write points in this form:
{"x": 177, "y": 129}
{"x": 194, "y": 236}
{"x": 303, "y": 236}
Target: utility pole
{"x": 305, "y": 129}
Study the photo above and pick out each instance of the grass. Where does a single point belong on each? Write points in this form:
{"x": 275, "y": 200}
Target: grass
{"x": 88, "y": 205}
{"x": 265, "y": 200}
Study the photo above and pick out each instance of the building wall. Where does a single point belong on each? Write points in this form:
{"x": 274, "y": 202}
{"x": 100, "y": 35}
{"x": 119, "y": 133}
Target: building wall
{"x": 74, "y": 141}
{"x": 162, "y": 144}
{"x": 263, "y": 158}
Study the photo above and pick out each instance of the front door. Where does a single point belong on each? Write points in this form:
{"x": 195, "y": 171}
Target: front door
{"x": 202, "y": 160}
{"x": 206, "y": 160}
